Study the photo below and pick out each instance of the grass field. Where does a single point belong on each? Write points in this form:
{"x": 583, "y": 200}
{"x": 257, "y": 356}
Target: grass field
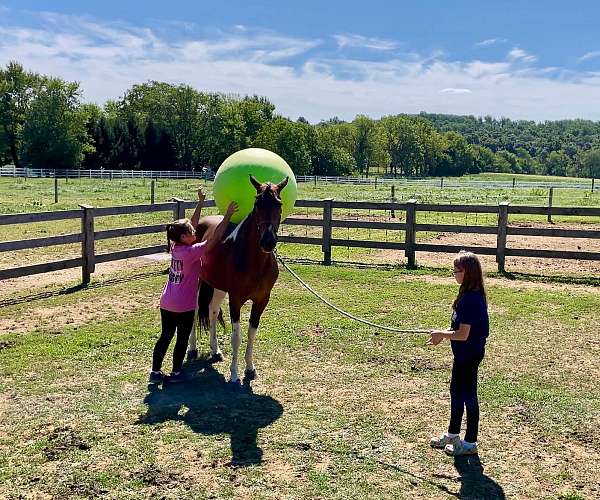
{"x": 338, "y": 410}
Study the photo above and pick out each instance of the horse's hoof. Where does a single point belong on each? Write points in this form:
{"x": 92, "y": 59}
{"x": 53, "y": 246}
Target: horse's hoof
{"x": 216, "y": 358}
{"x": 235, "y": 385}
{"x": 192, "y": 355}
{"x": 249, "y": 374}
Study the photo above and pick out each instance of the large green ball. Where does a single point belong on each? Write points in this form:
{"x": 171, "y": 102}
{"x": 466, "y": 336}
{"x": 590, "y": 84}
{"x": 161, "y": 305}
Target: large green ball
{"x": 232, "y": 182}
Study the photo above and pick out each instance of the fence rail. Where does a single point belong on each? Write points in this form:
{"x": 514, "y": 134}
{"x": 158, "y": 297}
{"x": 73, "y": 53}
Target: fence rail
{"x": 441, "y": 182}
{"x": 409, "y": 226}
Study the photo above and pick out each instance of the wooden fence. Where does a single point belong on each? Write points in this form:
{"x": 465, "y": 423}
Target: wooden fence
{"x": 88, "y": 236}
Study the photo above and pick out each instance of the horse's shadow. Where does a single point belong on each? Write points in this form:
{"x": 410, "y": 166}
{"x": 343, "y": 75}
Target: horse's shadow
{"x": 209, "y": 406}
{"x": 474, "y": 483}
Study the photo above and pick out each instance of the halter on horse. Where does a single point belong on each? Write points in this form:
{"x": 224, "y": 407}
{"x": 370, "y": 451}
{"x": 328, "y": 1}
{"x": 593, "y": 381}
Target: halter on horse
{"x": 243, "y": 266}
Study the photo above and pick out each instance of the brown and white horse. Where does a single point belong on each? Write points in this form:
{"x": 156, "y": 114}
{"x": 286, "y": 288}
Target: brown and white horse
{"x": 242, "y": 265}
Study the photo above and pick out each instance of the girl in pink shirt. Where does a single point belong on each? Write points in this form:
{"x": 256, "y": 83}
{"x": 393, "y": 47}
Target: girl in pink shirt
{"x": 178, "y": 299}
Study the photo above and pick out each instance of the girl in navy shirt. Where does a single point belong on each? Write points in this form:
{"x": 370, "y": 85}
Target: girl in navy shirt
{"x": 468, "y": 332}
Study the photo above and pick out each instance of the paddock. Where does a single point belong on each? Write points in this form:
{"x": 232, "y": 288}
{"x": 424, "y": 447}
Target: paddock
{"x": 339, "y": 409}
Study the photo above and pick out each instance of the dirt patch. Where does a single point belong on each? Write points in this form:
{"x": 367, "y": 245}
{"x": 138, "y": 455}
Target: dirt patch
{"x": 313, "y": 331}
{"x": 61, "y": 441}
{"x": 57, "y": 318}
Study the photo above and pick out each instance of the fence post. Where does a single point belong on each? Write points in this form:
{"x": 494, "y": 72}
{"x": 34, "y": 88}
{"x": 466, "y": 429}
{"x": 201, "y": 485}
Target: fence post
{"x": 55, "y": 188}
{"x": 88, "y": 265}
{"x": 502, "y": 230}
{"x": 442, "y": 183}
{"x": 592, "y": 184}
{"x": 179, "y": 210}
{"x": 410, "y": 233}
{"x": 152, "y": 192}
{"x": 393, "y": 197}
{"x": 514, "y": 181}
{"x": 315, "y": 181}
{"x": 550, "y": 195}
{"x": 327, "y": 216}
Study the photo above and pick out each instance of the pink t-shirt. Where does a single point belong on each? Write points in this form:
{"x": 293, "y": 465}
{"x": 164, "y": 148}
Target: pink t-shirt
{"x": 181, "y": 290}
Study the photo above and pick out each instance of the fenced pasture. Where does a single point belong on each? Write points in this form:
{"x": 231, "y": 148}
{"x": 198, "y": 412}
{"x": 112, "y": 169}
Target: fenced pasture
{"x": 339, "y": 410}
{"x": 358, "y": 231}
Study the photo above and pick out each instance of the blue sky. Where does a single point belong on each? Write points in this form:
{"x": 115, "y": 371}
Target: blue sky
{"x": 534, "y": 60}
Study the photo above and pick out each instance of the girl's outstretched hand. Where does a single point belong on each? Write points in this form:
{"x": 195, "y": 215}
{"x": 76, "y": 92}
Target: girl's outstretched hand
{"x": 201, "y": 195}
{"x": 435, "y": 338}
{"x": 231, "y": 209}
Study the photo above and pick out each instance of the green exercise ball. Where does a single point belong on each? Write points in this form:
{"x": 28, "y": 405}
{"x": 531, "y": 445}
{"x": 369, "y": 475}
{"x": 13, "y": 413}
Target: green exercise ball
{"x": 232, "y": 182}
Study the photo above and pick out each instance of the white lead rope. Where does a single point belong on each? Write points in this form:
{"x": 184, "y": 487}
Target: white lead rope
{"x": 341, "y": 311}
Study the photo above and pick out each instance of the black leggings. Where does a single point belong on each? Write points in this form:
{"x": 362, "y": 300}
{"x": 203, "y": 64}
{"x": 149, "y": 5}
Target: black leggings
{"x": 171, "y": 321}
{"x": 463, "y": 393}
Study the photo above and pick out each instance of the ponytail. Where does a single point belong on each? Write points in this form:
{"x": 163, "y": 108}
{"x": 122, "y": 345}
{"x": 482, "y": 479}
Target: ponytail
{"x": 169, "y": 229}
{"x": 175, "y": 230}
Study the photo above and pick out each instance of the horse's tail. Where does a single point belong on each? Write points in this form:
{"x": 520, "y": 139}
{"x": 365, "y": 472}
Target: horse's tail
{"x": 205, "y": 295}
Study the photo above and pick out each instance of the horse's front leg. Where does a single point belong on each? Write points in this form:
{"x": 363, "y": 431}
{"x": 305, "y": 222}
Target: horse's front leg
{"x": 235, "y": 305}
{"x": 258, "y": 308}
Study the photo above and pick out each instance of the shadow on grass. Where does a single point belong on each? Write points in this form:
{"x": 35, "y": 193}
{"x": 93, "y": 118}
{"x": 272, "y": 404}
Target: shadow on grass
{"x": 474, "y": 483}
{"x": 209, "y": 406}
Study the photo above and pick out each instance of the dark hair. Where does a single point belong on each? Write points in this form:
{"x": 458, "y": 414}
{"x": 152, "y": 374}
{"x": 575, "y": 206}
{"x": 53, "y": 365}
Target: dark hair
{"x": 176, "y": 229}
{"x": 473, "y": 278}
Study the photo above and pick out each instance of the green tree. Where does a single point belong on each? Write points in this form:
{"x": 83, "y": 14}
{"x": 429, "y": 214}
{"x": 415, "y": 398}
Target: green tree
{"x": 590, "y": 163}
{"x": 329, "y": 154}
{"x": 54, "y": 134}
{"x": 175, "y": 109}
{"x": 557, "y": 163}
{"x": 290, "y": 140}
{"x": 18, "y": 89}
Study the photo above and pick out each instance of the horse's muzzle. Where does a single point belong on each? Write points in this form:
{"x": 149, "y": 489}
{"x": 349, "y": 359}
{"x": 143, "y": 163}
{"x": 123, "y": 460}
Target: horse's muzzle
{"x": 268, "y": 241}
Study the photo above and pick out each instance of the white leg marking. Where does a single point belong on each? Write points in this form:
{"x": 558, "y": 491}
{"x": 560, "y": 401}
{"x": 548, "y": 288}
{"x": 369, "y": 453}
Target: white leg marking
{"x": 213, "y": 313}
{"x": 249, "y": 347}
{"x": 236, "y": 340}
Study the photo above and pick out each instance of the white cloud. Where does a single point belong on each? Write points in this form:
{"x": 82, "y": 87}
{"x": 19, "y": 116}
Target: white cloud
{"x": 451, "y": 90}
{"x": 517, "y": 54}
{"x": 107, "y": 58}
{"x": 490, "y": 41}
{"x": 590, "y": 55}
{"x": 352, "y": 40}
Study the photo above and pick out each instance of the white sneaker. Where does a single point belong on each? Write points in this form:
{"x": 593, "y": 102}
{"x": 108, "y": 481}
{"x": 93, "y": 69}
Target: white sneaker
{"x": 442, "y": 441}
{"x": 459, "y": 447}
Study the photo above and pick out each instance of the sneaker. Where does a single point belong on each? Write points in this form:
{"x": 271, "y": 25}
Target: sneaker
{"x": 156, "y": 377}
{"x": 460, "y": 447}
{"x": 176, "y": 377}
{"x": 441, "y": 441}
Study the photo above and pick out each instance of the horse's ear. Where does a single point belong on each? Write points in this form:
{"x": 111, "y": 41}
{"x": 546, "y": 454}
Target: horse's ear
{"x": 257, "y": 185}
{"x": 282, "y": 184}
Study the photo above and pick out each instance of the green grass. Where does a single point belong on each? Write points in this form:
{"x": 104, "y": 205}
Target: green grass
{"x": 338, "y": 410}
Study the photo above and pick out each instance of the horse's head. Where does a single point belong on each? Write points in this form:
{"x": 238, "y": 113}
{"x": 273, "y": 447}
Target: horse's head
{"x": 267, "y": 211}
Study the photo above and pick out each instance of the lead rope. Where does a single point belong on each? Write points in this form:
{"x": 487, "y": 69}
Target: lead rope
{"x": 341, "y": 311}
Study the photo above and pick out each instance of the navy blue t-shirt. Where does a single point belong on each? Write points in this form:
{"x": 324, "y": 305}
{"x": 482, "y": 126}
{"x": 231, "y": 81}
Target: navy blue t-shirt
{"x": 470, "y": 310}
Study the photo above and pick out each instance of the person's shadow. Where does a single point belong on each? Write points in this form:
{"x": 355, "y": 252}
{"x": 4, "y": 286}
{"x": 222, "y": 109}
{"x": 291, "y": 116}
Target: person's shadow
{"x": 214, "y": 408}
{"x": 474, "y": 483}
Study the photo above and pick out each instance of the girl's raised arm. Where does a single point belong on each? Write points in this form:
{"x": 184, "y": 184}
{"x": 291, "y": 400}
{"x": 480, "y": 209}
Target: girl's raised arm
{"x": 222, "y": 227}
{"x": 196, "y": 217}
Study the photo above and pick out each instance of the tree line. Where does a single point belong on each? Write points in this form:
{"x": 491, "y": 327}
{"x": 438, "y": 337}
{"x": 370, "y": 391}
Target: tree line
{"x": 44, "y": 123}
